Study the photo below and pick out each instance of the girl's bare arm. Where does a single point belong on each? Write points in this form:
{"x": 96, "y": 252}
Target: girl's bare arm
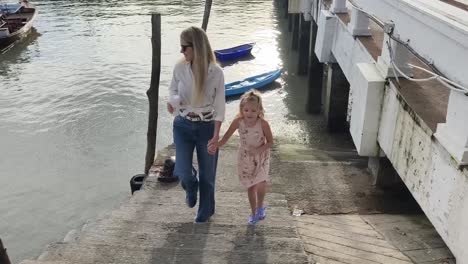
{"x": 232, "y": 128}
{"x": 268, "y": 136}
{"x": 213, "y": 146}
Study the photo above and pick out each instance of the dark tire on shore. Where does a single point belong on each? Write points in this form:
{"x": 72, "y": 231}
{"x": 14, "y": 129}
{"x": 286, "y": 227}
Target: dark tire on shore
{"x": 3, "y": 254}
{"x": 136, "y": 182}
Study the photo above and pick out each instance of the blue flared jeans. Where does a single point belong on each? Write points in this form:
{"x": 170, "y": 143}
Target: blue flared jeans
{"x": 190, "y": 136}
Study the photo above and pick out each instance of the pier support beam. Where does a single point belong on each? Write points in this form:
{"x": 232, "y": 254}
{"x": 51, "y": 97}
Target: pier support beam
{"x": 453, "y": 134}
{"x": 383, "y": 172}
{"x": 315, "y": 75}
{"x": 304, "y": 41}
{"x": 295, "y": 31}
{"x": 285, "y": 8}
{"x": 335, "y": 98}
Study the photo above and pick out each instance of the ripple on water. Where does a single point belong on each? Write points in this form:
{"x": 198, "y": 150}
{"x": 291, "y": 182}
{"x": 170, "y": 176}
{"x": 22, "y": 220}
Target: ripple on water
{"x": 73, "y": 108}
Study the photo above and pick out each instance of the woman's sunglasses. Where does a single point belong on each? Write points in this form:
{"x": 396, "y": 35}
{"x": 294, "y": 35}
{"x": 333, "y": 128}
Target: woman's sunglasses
{"x": 184, "y": 47}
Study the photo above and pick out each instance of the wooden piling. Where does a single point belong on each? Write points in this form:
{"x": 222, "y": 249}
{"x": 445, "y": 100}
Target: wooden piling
{"x": 206, "y": 15}
{"x": 295, "y": 31}
{"x": 336, "y": 99}
{"x": 153, "y": 91}
{"x": 304, "y": 43}
{"x": 315, "y": 75}
{"x": 3, "y": 254}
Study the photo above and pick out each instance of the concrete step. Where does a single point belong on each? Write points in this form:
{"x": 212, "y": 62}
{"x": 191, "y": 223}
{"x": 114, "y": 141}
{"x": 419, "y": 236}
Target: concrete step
{"x": 169, "y": 206}
{"x": 114, "y": 250}
{"x": 44, "y": 262}
{"x": 113, "y": 225}
{"x": 156, "y": 226}
{"x": 223, "y": 199}
{"x": 108, "y": 255}
{"x": 150, "y": 195}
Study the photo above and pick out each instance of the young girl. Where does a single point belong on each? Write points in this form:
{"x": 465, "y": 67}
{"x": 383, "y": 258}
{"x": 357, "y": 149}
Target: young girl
{"x": 254, "y": 152}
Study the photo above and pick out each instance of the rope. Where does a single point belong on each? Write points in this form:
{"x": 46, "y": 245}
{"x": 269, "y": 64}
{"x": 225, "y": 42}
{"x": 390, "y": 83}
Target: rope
{"x": 444, "y": 81}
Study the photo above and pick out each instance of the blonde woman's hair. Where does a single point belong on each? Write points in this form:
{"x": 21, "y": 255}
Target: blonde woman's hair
{"x": 202, "y": 57}
{"x": 252, "y": 96}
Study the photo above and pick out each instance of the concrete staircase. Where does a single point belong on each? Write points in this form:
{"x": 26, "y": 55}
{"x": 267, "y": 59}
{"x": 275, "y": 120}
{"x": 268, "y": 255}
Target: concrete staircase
{"x": 155, "y": 226}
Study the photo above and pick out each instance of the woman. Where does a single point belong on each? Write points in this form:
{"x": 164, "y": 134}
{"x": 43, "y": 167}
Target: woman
{"x": 197, "y": 97}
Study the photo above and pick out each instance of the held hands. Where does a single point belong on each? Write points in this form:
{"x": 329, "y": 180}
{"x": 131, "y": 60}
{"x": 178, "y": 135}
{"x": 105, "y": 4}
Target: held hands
{"x": 213, "y": 145}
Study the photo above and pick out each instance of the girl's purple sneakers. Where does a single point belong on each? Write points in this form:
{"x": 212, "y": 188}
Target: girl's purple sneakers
{"x": 253, "y": 219}
{"x": 260, "y": 213}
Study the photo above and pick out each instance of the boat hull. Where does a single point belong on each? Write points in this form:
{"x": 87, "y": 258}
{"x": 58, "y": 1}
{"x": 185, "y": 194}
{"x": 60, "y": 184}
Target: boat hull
{"x": 10, "y": 40}
{"x": 234, "y": 52}
{"x": 255, "y": 82}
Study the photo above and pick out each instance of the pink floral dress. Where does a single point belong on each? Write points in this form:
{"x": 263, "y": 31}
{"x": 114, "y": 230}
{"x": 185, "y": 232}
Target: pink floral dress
{"x": 252, "y": 169}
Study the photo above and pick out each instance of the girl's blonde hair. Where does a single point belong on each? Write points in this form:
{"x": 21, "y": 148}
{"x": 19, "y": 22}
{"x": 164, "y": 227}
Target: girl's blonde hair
{"x": 202, "y": 57}
{"x": 252, "y": 96}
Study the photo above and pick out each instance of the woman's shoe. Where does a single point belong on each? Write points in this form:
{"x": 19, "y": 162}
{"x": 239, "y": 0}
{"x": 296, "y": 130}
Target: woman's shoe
{"x": 191, "y": 199}
{"x": 260, "y": 213}
{"x": 199, "y": 221}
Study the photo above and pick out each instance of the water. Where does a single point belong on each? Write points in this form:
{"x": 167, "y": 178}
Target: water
{"x": 73, "y": 108}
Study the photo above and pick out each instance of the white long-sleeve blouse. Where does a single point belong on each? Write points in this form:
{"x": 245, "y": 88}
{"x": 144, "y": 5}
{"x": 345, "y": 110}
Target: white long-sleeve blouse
{"x": 214, "y": 99}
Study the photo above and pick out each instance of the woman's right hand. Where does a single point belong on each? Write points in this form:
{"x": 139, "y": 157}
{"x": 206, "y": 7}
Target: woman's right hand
{"x": 170, "y": 109}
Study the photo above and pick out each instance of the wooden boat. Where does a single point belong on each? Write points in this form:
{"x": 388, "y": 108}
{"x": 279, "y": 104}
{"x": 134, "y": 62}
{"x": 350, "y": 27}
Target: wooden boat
{"x": 254, "y": 82}
{"x": 16, "y": 20}
{"x": 234, "y": 52}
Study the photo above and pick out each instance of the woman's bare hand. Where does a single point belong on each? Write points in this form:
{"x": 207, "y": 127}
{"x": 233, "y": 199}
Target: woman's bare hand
{"x": 170, "y": 109}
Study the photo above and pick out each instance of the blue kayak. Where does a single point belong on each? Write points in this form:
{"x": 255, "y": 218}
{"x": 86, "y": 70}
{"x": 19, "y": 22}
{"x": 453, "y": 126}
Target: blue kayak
{"x": 254, "y": 82}
{"x": 234, "y": 52}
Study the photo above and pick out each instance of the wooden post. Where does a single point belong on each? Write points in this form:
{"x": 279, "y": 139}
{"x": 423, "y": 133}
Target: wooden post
{"x": 153, "y": 91}
{"x": 304, "y": 46}
{"x": 3, "y": 255}
{"x": 206, "y": 15}
{"x": 295, "y": 31}
{"x": 336, "y": 99}
{"x": 315, "y": 75}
